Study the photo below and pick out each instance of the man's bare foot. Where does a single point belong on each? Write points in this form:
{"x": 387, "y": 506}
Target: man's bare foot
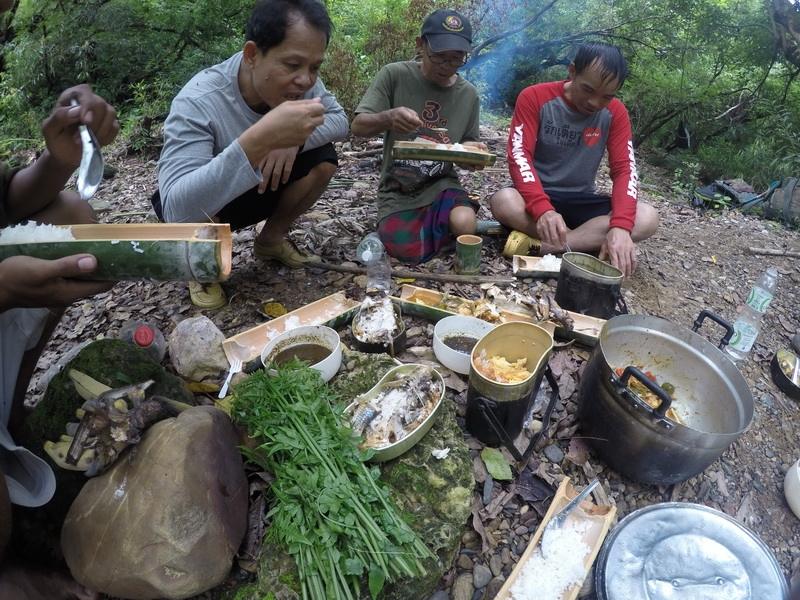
{"x": 22, "y": 583}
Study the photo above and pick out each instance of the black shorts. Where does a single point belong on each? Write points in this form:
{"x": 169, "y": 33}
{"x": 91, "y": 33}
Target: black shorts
{"x": 576, "y": 209}
{"x": 252, "y": 207}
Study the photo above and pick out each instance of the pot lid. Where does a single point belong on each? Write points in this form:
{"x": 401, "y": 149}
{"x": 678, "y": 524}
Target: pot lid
{"x": 682, "y": 551}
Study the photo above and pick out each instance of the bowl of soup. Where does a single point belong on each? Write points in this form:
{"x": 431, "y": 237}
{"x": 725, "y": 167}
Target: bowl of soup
{"x": 453, "y": 340}
{"x": 318, "y": 346}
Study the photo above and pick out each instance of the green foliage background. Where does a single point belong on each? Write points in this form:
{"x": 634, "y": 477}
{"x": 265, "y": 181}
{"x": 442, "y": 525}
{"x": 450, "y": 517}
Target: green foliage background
{"x": 708, "y": 64}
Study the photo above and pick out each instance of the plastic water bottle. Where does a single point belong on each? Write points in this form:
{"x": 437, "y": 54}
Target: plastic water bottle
{"x": 748, "y": 323}
{"x": 370, "y": 252}
{"x": 146, "y": 336}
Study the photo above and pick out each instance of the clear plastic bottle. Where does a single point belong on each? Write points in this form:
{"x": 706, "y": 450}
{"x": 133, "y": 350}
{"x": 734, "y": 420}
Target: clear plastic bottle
{"x": 370, "y": 252}
{"x": 146, "y": 336}
{"x": 748, "y": 323}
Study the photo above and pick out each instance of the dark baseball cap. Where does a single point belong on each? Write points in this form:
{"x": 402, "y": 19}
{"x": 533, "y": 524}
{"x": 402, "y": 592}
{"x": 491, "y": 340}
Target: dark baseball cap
{"x": 447, "y": 30}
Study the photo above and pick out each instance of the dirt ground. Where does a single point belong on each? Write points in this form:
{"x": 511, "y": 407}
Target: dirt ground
{"x": 695, "y": 261}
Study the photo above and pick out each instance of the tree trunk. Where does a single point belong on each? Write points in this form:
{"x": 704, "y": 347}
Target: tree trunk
{"x": 785, "y": 16}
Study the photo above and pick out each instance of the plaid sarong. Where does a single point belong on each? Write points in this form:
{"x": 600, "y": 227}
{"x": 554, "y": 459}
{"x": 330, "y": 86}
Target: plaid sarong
{"x": 416, "y": 235}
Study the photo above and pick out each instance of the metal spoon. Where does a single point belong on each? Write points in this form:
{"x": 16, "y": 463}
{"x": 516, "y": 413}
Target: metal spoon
{"x": 90, "y": 171}
{"x": 558, "y": 520}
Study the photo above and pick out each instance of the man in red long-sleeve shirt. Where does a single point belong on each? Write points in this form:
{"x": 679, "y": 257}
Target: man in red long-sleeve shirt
{"x": 558, "y": 136}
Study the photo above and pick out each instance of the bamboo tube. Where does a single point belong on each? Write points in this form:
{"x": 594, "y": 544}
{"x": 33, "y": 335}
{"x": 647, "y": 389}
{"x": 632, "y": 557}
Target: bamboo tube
{"x": 432, "y": 151}
{"x": 160, "y": 251}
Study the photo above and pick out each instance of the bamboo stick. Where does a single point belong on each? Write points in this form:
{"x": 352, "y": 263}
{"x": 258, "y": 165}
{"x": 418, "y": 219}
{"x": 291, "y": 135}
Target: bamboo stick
{"x": 406, "y": 274}
{"x": 773, "y": 252}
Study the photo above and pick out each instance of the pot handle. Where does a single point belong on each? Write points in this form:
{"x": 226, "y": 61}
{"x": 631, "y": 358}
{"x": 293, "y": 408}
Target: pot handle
{"x": 631, "y": 371}
{"x": 717, "y": 319}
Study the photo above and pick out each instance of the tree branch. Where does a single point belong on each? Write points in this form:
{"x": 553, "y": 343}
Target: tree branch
{"x": 512, "y": 31}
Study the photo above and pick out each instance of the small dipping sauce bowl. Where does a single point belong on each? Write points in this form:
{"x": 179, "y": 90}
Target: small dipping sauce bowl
{"x": 453, "y": 340}
{"x": 318, "y": 345}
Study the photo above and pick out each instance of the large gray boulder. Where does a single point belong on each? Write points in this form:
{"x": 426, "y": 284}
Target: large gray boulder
{"x": 167, "y": 519}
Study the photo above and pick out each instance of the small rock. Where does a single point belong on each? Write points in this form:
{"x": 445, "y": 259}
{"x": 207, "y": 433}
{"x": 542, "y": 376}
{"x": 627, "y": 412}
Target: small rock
{"x": 554, "y": 454}
{"x": 505, "y": 556}
{"x": 494, "y": 586}
{"x": 415, "y": 331}
{"x": 527, "y": 516}
{"x": 421, "y": 351}
{"x": 463, "y": 588}
{"x": 496, "y": 565}
{"x": 488, "y": 489}
{"x": 521, "y": 530}
{"x": 481, "y": 576}
{"x": 440, "y": 595}
{"x": 521, "y": 545}
{"x": 464, "y": 562}
{"x": 469, "y": 538}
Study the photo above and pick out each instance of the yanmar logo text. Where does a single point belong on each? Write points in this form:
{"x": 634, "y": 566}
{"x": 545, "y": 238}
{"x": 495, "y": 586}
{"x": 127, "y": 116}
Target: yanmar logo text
{"x": 517, "y": 151}
{"x": 633, "y": 182}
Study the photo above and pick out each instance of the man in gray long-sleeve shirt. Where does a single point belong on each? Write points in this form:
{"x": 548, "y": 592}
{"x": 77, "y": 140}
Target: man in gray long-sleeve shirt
{"x": 252, "y": 138}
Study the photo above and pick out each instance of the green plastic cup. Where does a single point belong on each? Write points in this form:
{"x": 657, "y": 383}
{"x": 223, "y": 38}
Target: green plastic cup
{"x": 468, "y": 254}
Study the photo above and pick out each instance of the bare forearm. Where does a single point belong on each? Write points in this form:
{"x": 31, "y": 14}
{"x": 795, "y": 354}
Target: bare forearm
{"x": 36, "y": 186}
{"x": 367, "y": 124}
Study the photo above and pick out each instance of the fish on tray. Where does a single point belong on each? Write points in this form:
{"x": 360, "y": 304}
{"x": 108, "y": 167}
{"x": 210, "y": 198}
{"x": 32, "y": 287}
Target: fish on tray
{"x": 398, "y": 408}
{"x": 376, "y": 320}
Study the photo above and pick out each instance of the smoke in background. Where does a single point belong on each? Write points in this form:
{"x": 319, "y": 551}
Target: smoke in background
{"x": 540, "y": 52}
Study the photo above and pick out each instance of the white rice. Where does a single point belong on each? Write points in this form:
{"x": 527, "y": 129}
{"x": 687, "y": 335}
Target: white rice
{"x": 550, "y": 262}
{"x": 548, "y": 578}
{"x": 31, "y": 232}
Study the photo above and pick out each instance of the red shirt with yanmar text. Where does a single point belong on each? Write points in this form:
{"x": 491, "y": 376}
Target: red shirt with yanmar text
{"x": 552, "y": 149}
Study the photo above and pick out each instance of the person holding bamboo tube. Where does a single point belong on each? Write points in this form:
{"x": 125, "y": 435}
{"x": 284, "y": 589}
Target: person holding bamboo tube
{"x": 422, "y": 205}
{"x": 33, "y": 294}
{"x": 251, "y": 138}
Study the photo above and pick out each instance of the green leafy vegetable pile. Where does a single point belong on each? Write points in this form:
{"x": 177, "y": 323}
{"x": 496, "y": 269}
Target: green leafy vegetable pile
{"x": 330, "y": 511}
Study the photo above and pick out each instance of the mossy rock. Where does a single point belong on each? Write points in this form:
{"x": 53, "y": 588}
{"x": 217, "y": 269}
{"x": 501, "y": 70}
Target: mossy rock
{"x": 248, "y": 591}
{"x": 113, "y": 362}
{"x": 435, "y": 496}
{"x": 359, "y": 373}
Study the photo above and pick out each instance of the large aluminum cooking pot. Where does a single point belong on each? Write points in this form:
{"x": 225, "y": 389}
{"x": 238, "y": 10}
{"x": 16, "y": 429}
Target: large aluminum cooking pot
{"x": 710, "y": 397}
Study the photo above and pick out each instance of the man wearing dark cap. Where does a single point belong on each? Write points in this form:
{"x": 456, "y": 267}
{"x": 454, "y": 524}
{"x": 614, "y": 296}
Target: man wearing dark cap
{"x": 422, "y": 203}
